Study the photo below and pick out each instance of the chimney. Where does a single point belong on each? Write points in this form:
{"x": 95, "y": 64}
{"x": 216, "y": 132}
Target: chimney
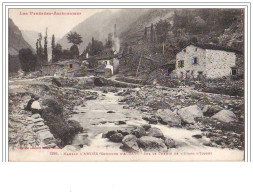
{"x": 115, "y": 31}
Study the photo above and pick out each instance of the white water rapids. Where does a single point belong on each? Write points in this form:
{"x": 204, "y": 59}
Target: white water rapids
{"x": 95, "y": 119}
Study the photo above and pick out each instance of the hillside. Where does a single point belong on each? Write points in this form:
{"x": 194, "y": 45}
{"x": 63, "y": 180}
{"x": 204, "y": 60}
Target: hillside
{"x": 135, "y": 30}
{"x": 15, "y": 43}
{"x": 102, "y": 23}
{"x": 220, "y": 27}
{"x": 30, "y": 37}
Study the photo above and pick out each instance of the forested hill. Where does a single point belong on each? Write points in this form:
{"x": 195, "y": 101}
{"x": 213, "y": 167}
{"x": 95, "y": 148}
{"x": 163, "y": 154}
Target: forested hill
{"x": 222, "y": 27}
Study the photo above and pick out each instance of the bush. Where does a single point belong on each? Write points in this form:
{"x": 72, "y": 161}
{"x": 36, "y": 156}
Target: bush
{"x": 52, "y": 106}
{"x": 27, "y": 60}
{"x": 59, "y": 127}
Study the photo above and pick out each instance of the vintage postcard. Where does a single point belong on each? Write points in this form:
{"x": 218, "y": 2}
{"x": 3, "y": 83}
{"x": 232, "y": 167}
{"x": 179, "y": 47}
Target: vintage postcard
{"x": 104, "y": 84}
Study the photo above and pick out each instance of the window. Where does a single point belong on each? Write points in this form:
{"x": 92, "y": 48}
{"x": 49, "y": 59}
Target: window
{"x": 195, "y": 60}
{"x": 71, "y": 66}
{"x": 187, "y": 75}
{"x": 181, "y": 63}
{"x": 234, "y": 71}
{"x": 196, "y": 49}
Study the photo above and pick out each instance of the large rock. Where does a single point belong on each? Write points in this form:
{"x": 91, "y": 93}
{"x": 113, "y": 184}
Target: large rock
{"x": 108, "y": 134}
{"x": 146, "y": 126}
{"x": 74, "y": 126}
{"x": 152, "y": 144}
{"x": 117, "y": 137}
{"x": 139, "y": 132}
{"x": 166, "y": 116}
{"x": 210, "y": 110}
{"x": 188, "y": 114}
{"x": 226, "y": 116}
{"x": 170, "y": 143}
{"x": 130, "y": 143}
{"x": 151, "y": 119}
{"x": 155, "y": 132}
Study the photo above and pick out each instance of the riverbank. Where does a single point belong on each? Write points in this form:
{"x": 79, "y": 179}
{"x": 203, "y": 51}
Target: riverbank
{"x": 129, "y": 120}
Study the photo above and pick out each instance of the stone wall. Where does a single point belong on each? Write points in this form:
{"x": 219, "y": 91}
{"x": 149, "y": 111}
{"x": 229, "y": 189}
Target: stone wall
{"x": 59, "y": 70}
{"x": 187, "y": 55}
{"x": 213, "y": 63}
{"x": 219, "y": 63}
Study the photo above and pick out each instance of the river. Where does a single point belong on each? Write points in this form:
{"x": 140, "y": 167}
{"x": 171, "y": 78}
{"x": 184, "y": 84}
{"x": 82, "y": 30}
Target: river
{"x": 103, "y": 114}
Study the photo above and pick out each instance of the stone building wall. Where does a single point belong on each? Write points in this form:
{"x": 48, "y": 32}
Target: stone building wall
{"x": 219, "y": 63}
{"x": 51, "y": 70}
{"x": 187, "y": 55}
{"x": 210, "y": 63}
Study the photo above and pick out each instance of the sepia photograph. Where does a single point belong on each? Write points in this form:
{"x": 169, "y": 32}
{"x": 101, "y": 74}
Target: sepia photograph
{"x": 126, "y": 84}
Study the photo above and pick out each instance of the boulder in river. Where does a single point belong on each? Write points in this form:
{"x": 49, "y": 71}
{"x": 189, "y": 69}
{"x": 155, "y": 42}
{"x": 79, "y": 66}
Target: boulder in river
{"x": 108, "y": 134}
{"x": 146, "y": 126}
{"x": 74, "y": 126}
{"x": 166, "y": 116}
{"x": 188, "y": 114}
{"x": 151, "y": 119}
{"x": 148, "y": 143}
{"x": 130, "y": 143}
{"x": 155, "y": 132}
{"x": 117, "y": 137}
{"x": 170, "y": 143}
{"x": 226, "y": 116}
{"x": 139, "y": 132}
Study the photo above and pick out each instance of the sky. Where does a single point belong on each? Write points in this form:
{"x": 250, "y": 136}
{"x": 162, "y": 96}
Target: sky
{"x": 59, "y": 25}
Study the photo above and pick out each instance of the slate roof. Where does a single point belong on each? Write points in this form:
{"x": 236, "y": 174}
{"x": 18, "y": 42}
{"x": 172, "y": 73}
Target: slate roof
{"x": 214, "y": 47}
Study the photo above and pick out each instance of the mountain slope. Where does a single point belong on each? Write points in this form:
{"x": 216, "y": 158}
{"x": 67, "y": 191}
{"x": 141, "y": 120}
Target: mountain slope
{"x": 16, "y": 40}
{"x": 136, "y": 29}
{"x": 102, "y": 23}
{"x": 15, "y": 43}
{"x": 30, "y": 37}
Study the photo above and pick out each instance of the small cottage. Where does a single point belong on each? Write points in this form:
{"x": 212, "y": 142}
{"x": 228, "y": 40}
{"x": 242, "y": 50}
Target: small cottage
{"x": 198, "y": 61}
{"x": 61, "y": 68}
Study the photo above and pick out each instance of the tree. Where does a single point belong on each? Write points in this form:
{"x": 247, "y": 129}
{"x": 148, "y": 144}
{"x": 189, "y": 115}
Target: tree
{"x": 162, "y": 28}
{"x": 145, "y": 33}
{"x": 37, "y": 47}
{"x": 45, "y": 48}
{"x": 53, "y": 48}
{"x": 27, "y": 60}
{"x": 74, "y": 38}
{"x": 194, "y": 40}
{"x": 199, "y": 24}
{"x": 108, "y": 43}
{"x": 74, "y": 51}
{"x": 95, "y": 47}
{"x": 39, "y": 50}
{"x": 152, "y": 33}
{"x": 66, "y": 54}
{"x": 57, "y": 52}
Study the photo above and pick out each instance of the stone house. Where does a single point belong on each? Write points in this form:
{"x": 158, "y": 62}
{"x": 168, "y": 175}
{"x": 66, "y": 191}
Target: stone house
{"x": 62, "y": 68}
{"x": 198, "y": 61}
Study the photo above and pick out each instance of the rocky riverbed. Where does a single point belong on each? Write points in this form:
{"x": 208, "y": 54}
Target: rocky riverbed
{"x": 135, "y": 120}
